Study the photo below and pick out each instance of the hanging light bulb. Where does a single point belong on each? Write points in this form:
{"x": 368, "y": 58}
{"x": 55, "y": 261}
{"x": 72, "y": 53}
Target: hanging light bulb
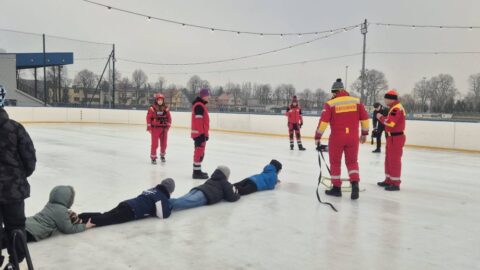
{"x": 238, "y": 33}
{"x": 413, "y": 27}
{"x": 316, "y": 34}
{"x": 261, "y": 34}
{"x": 299, "y": 35}
{"x": 213, "y": 30}
{"x": 441, "y": 27}
{"x": 183, "y": 25}
{"x": 331, "y": 31}
{"x": 149, "y": 18}
{"x": 281, "y": 35}
{"x": 109, "y": 8}
{"x": 470, "y": 28}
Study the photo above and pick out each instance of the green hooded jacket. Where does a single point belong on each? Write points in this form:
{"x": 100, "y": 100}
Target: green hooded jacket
{"x": 54, "y": 216}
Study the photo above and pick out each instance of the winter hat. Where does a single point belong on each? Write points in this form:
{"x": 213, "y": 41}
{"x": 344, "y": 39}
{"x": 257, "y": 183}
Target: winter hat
{"x": 169, "y": 184}
{"x": 276, "y": 164}
{"x": 337, "y": 86}
{"x": 225, "y": 170}
{"x": 3, "y": 93}
{"x": 159, "y": 96}
{"x": 204, "y": 93}
{"x": 295, "y": 99}
{"x": 391, "y": 94}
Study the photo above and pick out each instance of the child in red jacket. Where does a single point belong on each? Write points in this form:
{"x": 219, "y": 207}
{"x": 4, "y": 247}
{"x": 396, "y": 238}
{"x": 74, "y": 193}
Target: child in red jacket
{"x": 159, "y": 121}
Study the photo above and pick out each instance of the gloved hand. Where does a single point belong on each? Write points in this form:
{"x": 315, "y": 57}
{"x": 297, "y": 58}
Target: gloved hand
{"x": 322, "y": 147}
{"x": 206, "y": 139}
{"x": 301, "y": 124}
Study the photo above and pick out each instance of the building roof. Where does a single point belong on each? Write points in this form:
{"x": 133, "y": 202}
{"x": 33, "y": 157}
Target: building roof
{"x": 35, "y": 60}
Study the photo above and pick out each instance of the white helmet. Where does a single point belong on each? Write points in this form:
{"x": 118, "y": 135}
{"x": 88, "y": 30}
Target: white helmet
{"x": 3, "y": 93}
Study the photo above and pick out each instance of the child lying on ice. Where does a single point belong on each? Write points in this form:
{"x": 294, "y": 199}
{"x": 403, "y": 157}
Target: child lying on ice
{"x": 214, "y": 190}
{"x": 151, "y": 203}
{"x": 267, "y": 180}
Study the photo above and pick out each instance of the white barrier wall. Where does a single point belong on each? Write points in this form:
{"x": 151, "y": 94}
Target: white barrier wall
{"x": 450, "y": 135}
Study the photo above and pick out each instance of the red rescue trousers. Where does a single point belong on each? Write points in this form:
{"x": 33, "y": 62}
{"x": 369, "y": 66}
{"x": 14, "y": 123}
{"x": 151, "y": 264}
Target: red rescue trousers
{"x": 294, "y": 128}
{"x": 393, "y": 159}
{"x": 159, "y": 134}
{"x": 339, "y": 143}
{"x": 199, "y": 152}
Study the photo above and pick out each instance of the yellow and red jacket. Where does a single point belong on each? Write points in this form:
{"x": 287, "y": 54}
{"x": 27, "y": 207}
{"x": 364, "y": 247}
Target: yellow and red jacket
{"x": 294, "y": 114}
{"x": 395, "y": 121}
{"x": 344, "y": 114}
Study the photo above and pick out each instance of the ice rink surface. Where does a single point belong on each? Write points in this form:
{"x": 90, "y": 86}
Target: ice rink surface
{"x": 433, "y": 223}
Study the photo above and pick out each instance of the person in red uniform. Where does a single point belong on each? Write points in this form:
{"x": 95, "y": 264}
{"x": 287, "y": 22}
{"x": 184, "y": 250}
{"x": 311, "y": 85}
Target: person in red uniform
{"x": 200, "y": 132}
{"x": 295, "y": 123}
{"x": 159, "y": 121}
{"x": 394, "y": 128}
{"x": 343, "y": 113}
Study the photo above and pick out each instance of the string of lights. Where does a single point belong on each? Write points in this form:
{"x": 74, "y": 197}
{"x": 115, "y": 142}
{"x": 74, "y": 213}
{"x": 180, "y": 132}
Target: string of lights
{"x": 262, "y": 67}
{"x": 414, "y": 26}
{"x": 425, "y": 52}
{"x": 241, "y": 57}
{"x": 211, "y": 28}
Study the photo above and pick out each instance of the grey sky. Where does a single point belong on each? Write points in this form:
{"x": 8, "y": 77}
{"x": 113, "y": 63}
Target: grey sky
{"x": 136, "y": 38}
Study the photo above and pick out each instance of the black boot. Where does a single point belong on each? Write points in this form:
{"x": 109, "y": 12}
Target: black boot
{"x": 335, "y": 191}
{"x": 162, "y": 158}
{"x": 392, "y": 188}
{"x": 10, "y": 266}
{"x": 198, "y": 174}
{"x": 376, "y": 151}
{"x": 291, "y": 146}
{"x": 301, "y": 148}
{"x": 355, "y": 191}
{"x": 383, "y": 184}
{"x": 154, "y": 161}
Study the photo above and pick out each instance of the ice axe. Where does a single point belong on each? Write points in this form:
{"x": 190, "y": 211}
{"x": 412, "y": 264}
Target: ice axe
{"x": 320, "y": 149}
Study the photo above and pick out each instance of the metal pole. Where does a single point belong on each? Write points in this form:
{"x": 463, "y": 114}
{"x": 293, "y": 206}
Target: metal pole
{"x": 346, "y": 77}
{"x": 44, "y": 72}
{"x": 113, "y": 77}
{"x": 36, "y": 83}
{"x": 364, "y": 31}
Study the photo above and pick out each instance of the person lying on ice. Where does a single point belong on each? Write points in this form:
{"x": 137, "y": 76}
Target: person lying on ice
{"x": 56, "y": 216}
{"x": 267, "y": 180}
{"x": 151, "y": 203}
{"x": 214, "y": 190}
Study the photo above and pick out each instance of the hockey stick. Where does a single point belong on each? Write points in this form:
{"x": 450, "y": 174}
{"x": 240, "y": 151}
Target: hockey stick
{"x": 23, "y": 239}
{"x": 320, "y": 158}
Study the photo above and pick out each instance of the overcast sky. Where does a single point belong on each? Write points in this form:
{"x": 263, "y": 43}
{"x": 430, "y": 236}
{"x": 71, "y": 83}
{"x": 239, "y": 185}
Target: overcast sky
{"x": 136, "y": 38}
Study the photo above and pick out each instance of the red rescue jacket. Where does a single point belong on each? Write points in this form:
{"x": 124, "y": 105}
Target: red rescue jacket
{"x": 344, "y": 114}
{"x": 294, "y": 114}
{"x": 200, "y": 118}
{"x": 158, "y": 116}
{"x": 395, "y": 121}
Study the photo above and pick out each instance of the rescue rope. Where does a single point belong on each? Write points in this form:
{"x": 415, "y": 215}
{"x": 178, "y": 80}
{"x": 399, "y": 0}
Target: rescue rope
{"x": 320, "y": 158}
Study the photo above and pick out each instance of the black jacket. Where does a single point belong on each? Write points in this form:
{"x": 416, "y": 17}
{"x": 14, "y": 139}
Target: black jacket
{"x": 377, "y": 124}
{"x": 17, "y": 160}
{"x": 218, "y": 188}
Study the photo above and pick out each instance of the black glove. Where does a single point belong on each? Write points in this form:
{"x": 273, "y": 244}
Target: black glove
{"x": 206, "y": 139}
{"x": 301, "y": 124}
{"x": 322, "y": 147}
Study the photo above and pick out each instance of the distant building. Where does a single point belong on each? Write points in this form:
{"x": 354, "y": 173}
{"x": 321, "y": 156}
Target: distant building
{"x": 176, "y": 99}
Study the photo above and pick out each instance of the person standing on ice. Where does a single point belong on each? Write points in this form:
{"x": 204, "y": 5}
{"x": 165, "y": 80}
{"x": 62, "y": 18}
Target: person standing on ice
{"x": 17, "y": 163}
{"x": 378, "y": 127}
{"x": 159, "y": 121}
{"x": 343, "y": 113}
{"x": 295, "y": 123}
{"x": 200, "y": 132}
{"x": 394, "y": 128}
{"x": 214, "y": 190}
{"x": 151, "y": 203}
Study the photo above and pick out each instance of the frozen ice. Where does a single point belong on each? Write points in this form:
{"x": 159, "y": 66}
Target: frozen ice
{"x": 431, "y": 224}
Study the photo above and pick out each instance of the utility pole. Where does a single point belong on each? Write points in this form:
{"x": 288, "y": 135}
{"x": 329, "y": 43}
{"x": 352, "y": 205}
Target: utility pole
{"x": 113, "y": 76}
{"x": 45, "y": 96}
{"x": 346, "y": 77}
{"x": 364, "y": 31}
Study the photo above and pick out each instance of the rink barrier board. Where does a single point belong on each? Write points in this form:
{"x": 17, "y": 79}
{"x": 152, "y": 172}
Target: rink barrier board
{"x": 433, "y": 135}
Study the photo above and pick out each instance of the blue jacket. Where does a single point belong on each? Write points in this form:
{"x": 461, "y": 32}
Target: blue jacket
{"x": 151, "y": 203}
{"x": 267, "y": 179}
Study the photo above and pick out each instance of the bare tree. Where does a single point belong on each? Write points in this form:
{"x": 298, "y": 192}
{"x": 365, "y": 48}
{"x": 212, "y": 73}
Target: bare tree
{"x": 194, "y": 84}
{"x": 474, "y": 81}
{"x": 375, "y": 84}
{"x": 263, "y": 92}
{"x": 306, "y": 98}
{"x": 139, "y": 79}
{"x": 408, "y": 102}
{"x": 160, "y": 84}
{"x": 234, "y": 90}
{"x": 86, "y": 80}
{"x": 123, "y": 86}
{"x": 320, "y": 97}
{"x": 442, "y": 93}
{"x": 421, "y": 93}
{"x": 246, "y": 92}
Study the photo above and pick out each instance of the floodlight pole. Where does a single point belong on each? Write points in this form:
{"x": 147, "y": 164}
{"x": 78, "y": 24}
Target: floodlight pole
{"x": 44, "y": 72}
{"x": 113, "y": 76}
{"x": 364, "y": 31}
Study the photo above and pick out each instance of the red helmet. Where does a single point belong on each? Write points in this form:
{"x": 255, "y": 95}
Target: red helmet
{"x": 158, "y": 96}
